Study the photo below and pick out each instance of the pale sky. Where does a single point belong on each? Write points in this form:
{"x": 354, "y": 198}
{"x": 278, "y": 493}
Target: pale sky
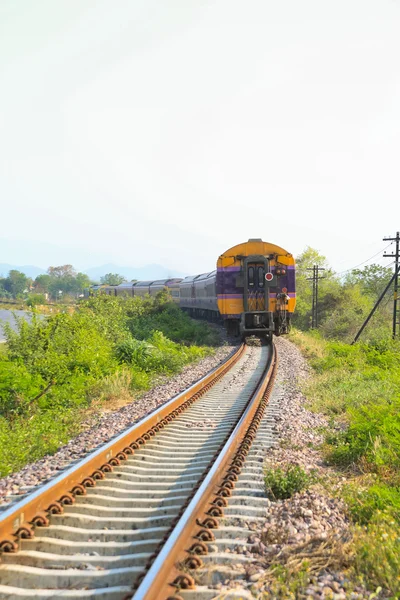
{"x": 166, "y": 131}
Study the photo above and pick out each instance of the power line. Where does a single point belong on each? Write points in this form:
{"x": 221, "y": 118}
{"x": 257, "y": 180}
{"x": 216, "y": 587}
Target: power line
{"x": 299, "y": 270}
{"x": 365, "y": 261}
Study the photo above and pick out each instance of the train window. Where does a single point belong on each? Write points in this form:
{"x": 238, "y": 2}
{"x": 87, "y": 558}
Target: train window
{"x": 260, "y": 277}
{"x": 251, "y": 276}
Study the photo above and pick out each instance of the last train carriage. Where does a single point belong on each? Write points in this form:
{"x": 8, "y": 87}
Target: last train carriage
{"x": 253, "y": 290}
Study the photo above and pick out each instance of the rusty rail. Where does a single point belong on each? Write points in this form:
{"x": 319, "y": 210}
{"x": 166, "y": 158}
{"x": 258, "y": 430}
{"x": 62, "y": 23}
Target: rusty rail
{"x": 188, "y": 541}
{"x": 33, "y": 510}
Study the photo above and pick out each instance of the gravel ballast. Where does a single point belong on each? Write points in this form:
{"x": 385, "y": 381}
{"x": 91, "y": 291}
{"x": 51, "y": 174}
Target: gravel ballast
{"x": 312, "y": 524}
{"x": 293, "y": 548}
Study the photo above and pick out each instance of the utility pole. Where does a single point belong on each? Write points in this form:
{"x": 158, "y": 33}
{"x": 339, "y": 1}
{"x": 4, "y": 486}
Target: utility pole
{"x": 315, "y": 279}
{"x": 313, "y": 296}
{"x": 395, "y": 274}
{"x": 396, "y": 256}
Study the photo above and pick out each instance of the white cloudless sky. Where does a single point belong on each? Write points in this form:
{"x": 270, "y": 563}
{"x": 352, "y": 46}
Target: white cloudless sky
{"x": 166, "y": 131}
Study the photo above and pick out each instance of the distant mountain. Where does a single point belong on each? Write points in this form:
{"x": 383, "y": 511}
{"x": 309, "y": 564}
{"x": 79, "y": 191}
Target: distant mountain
{"x": 140, "y": 273}
{"x": 29, "y": 270}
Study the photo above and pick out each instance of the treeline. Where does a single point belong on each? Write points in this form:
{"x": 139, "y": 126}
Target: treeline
{"x": 59, "y": 283}
{"x": 344, "y": 299}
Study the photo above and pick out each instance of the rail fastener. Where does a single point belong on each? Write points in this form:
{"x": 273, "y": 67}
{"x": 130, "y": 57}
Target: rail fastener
{"x": 181, "y": 553}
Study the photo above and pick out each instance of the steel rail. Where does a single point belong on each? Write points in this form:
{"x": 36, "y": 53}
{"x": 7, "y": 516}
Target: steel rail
{"x": 169, "y": 571}
{"x": 20, "y": 519}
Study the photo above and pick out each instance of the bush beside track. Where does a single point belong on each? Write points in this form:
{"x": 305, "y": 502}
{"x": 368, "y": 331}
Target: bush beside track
{"x": 55, "y": 370}
{"x": 358, "y": 388}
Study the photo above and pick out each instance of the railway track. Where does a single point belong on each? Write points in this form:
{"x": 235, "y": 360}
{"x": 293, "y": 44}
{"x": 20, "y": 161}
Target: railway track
{"x": 139, "y": 513}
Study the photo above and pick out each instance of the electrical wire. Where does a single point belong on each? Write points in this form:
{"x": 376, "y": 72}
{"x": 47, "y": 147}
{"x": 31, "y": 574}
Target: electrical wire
{"x": 381, "y": 291}
{"x": 365, "y": 261}
{"x": 356, "y": 266}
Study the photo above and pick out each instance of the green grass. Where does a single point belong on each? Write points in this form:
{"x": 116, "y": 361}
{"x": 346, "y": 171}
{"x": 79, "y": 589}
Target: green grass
{"x": 56, "y": 371}
{"x": 377, "y": 554}
{"x": 366, "y": 501}
{"x": 23, "y": 441}
{"x": 176, "y": 325}
{"x": 358, "y": 388}
{"x": 286, "y": 583}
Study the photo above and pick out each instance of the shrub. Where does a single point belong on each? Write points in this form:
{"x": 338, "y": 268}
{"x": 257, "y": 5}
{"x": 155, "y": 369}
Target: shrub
{"x": 133, "y": 351}
{"x": 175, "y": 324}
{"x": 24, "y": 441}
{"x": 282, "y": 483}
{"x": 158, "y": 354}
{"x": 35, "y": 299}
{"x": 18, "y": 388}
{"x": 60, "y": 364}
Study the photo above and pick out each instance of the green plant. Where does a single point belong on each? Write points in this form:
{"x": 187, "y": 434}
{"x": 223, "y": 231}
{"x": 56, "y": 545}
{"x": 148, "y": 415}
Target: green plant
{"x": 60, "y": 364}
{"x": 35, "y": 299}
{"x": 358, "y": 387}
{"x": 287, "y": 583}
{"x": 377, "y": 554}
{"x": 118, "y": 385}
{"x": 366, "y": 502}
{"x": 133, "y": 351}
{"x": 175, "y": 324}
{"x": 281, "y": 483}
{"x": 26, "y": 440}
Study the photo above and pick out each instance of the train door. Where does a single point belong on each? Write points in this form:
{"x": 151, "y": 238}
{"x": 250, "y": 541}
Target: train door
{"x": 256, "y": 286}
{"x": 256, "y": 317}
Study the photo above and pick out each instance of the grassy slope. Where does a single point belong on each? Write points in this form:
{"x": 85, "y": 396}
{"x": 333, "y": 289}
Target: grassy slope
{"x": 358, "y": 388}
{"x": 54, "y": 372}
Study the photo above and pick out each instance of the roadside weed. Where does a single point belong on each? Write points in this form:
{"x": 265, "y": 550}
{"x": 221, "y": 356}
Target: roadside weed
{"x": 282, "y": 483}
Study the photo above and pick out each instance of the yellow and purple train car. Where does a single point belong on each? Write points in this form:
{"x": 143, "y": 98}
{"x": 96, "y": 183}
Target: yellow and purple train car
{"x": 256, "y": 290}
{"x": 252, "y": 290}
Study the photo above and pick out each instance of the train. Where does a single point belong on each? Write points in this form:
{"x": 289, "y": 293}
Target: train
{"x": 252, "y": 290}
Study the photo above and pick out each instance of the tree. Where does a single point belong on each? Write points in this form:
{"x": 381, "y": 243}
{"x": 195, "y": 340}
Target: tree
{"x": 372, "y": 279}
{"x": 112, "y": 279}
{"x": 342, "y": 304}
{"x": 62, "y": 279}
{"x": 3, "y": 292}
{"x": 82, "y": 281}
{"x": 61, "y": 271}
{"x": 328, "y": 287}
{"x": 42, "y": 283}
{"x": 16, "y": 282}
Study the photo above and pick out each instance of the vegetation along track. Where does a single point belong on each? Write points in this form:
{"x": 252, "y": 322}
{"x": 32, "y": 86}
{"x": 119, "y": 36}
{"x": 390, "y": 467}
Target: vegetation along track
{"x": 124, "y": 520}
